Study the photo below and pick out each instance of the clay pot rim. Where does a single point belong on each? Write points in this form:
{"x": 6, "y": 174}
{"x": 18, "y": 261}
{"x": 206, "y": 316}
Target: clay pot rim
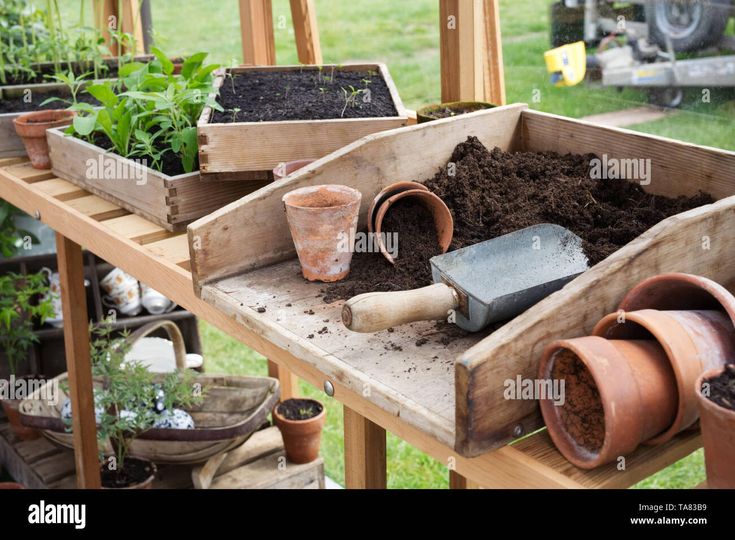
{"x": 385, "y": 194}
{"x": 59, "y": 118}
{"x": 306, "y": 190}
{"x": 423, "y": 196}
{"x": 589, "y": 459}
{"x": 288, "y": 422}
{"x": 707, "y": 403}
{"x": 426, "y": 110}
{"x": 143, "y": 483}
{"x": 300, "y": 162}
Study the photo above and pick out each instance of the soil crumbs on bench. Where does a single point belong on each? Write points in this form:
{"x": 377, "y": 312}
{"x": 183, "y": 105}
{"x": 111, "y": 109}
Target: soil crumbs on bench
{"x": 493, "y": 193}
{"x": 309, "y": 94}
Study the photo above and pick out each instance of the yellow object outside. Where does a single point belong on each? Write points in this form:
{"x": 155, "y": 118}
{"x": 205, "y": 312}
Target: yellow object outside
{"x": 567, "y": 64}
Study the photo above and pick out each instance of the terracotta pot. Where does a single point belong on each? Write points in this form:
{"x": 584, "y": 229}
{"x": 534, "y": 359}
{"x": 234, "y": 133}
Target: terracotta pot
{"x": 301, "y": 438}
{"x": 144, "y": 484}
{"x": 428, "y": 113}
{"x": 31, "y": 127}
{"x": 284, "y": 169}
{"x": 386, "y": 194}
{"x": 694, "y": 341}
{"x": 11, "y": 485}
{"x": 676, "y": 291}
{"x": 323, "y": 222}
{"x": 618, "y": 394}
{"x": 443, "y": 221}
{"x": 718, "y": 435}
{"x": 24, "y": 433}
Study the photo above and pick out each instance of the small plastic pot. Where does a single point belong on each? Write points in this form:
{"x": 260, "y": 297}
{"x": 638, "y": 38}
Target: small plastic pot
{"x": 323, "y": 223}
{"x": 694, "y": 341}
{"x": 429, "y": 113}
{"x": 284, "y": 169}
{"x": 443, "y": 221}
{"x": 718, "y": 435}
{"x": 617, "y": 395}
{"x": 301, "y": 438}
{"x": 31, "y": 128}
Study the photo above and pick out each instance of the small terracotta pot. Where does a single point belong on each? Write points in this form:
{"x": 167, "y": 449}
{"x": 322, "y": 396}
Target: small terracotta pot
{"x": 11, "y": 485}
{"x": 443, "y": 221}
{"x": 428, "y": 113}
{"x": 284, "y": 169}
{"x": 386, "y": 194}
{"x": 24, "y": 433}
{"x": 676, "y": 291}
{"x": 301, "y": 438}
{"x": 31, "y": 127}
{"x": 145, "y": 484}
{"x": 323, "y": 223}
{"x": 618, "y": 394}
{"x": 694, "y": 341}
{"x": 718, "y": 435}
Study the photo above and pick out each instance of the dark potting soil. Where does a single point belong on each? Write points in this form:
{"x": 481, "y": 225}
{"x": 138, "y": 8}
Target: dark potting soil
{"x": 722, "y": 388}
{"x": 493, "y": 193}
{"x": 171, "y": 162}
{"x": 16, "y": 105}
{"x": 299, "y": 409}
{"x": 263, "y": 96}
{"x": 413, "y": 224}
{"x": 447, "y": 112}
{"x": 135, "y": 471}
{"x": 582, "y": 414}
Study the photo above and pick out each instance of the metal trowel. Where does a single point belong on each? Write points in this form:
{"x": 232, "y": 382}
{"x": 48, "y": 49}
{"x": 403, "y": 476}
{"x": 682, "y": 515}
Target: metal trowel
{"x": 488, "y": 282}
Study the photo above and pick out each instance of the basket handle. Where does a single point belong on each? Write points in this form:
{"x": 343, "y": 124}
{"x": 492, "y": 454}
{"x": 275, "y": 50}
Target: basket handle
{"x": 173, "y": 332}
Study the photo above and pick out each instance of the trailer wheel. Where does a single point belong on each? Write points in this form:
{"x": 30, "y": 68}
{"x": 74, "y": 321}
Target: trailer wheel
{"x": 692, "y": 24}
{"x": 668, "y": 98}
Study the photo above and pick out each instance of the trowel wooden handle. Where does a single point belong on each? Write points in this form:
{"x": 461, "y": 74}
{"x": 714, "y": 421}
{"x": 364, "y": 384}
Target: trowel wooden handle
{"x": 376, "y": 311}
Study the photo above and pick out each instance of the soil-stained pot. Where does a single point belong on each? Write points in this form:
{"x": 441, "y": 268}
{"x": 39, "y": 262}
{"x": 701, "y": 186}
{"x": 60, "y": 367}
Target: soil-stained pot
{"x": 144, "y": 474}
{"x": 323, "y": 223}
{"x": 429, "y": 113}
{"x": 387, "y": 193}
{"x": 31, "y": 127}
{"x": 24, "y": 433}
{"x": 694, "y": 341}
{"x": 718, "y": 428}
{"x": 617, "y": 394}
{"x": 443, "y": 221}
{"x": 301, "y": 438}
{"x": 284, "y": 169}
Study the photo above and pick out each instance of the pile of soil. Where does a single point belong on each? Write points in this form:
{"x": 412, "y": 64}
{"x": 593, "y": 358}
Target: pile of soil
{"x": 493, "y": 193}
{"x": 299, "y": 409}
{"x": 16, "y": 105}
{"x": 263, "y": 96}
{"x": 722, "y": 388}
{"x": 582, "y": 415}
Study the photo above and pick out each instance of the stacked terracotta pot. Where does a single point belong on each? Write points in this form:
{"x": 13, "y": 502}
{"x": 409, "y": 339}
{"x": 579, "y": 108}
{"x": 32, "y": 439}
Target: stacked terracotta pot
{"x": 634, "y": 380}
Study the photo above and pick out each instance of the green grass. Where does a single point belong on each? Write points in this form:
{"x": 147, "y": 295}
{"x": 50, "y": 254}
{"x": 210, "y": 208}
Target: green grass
{"x": 405, "y": 35}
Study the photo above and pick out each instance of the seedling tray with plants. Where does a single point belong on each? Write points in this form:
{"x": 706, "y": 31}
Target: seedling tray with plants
{"x": 447, "y": 383}
{"x": 139, "y": 149}
{"x": 278, "y": 114}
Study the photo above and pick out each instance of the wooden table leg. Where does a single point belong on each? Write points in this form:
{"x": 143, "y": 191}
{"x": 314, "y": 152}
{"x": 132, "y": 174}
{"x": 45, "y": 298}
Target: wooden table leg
{"x": 457, "y": 481}
{"x": 289, "y": 381}
{"x": 365, "y": 458}
{"x": 76, "y": 344}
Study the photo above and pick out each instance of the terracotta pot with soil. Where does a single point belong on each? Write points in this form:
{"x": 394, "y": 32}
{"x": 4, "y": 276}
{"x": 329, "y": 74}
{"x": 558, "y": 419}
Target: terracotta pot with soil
{"x": 715, "y": 391}
{"x": 11, "y": 485}
{"x": 439, "y": 214}
{"x": 301, "y": 422}
{"x": 137, "y": 474}
{"x": 694, "y": 341}
{"x": 24, "y": 433}
{"x": 617, "y": 394}
{"x": 31, "y": 127}
{"x": 429, "y": 113}
{"x": 323, "y": 222}
{"x": 289, "y": 167}
{"x": 385, "y": 194}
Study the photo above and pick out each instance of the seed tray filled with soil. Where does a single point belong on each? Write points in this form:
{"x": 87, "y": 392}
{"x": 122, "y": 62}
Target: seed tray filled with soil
{"x": 513, "y": 168}
{"x": 285, "y": 113}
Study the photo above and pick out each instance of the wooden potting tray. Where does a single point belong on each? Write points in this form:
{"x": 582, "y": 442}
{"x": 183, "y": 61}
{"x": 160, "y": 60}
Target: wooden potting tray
{"x": 243, "y": 259}
{"x": 161, "y": 259}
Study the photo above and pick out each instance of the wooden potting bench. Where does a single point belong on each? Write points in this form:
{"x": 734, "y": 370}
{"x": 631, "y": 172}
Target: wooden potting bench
{"x": 161, "y": 259}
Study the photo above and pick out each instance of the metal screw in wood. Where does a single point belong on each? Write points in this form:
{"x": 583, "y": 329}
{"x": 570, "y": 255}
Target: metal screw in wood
{"x": 328, "y": 388}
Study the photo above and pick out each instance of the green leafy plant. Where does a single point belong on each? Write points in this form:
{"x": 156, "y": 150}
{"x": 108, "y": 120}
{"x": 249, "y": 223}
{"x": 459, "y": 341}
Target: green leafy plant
{"x": 129, "y": 392}
{"x": 73, "y": 83}
{"x": 157, "y": 109}
{"x": 12, "y": 238}
{"x": 23, "y": 300}
{"x": 351, "y": 95}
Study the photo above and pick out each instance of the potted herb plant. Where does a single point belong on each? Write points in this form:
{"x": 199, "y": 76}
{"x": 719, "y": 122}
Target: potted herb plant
{"x": 300, "y": 422}
{"x": 131, "y": 401}
{"x": 24, "y": 300}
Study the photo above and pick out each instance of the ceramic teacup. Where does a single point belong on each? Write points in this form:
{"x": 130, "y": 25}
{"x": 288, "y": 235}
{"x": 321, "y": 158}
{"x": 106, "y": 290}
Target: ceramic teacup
{"x": 154, "y": 301}
{"x": 116, "y": 281}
